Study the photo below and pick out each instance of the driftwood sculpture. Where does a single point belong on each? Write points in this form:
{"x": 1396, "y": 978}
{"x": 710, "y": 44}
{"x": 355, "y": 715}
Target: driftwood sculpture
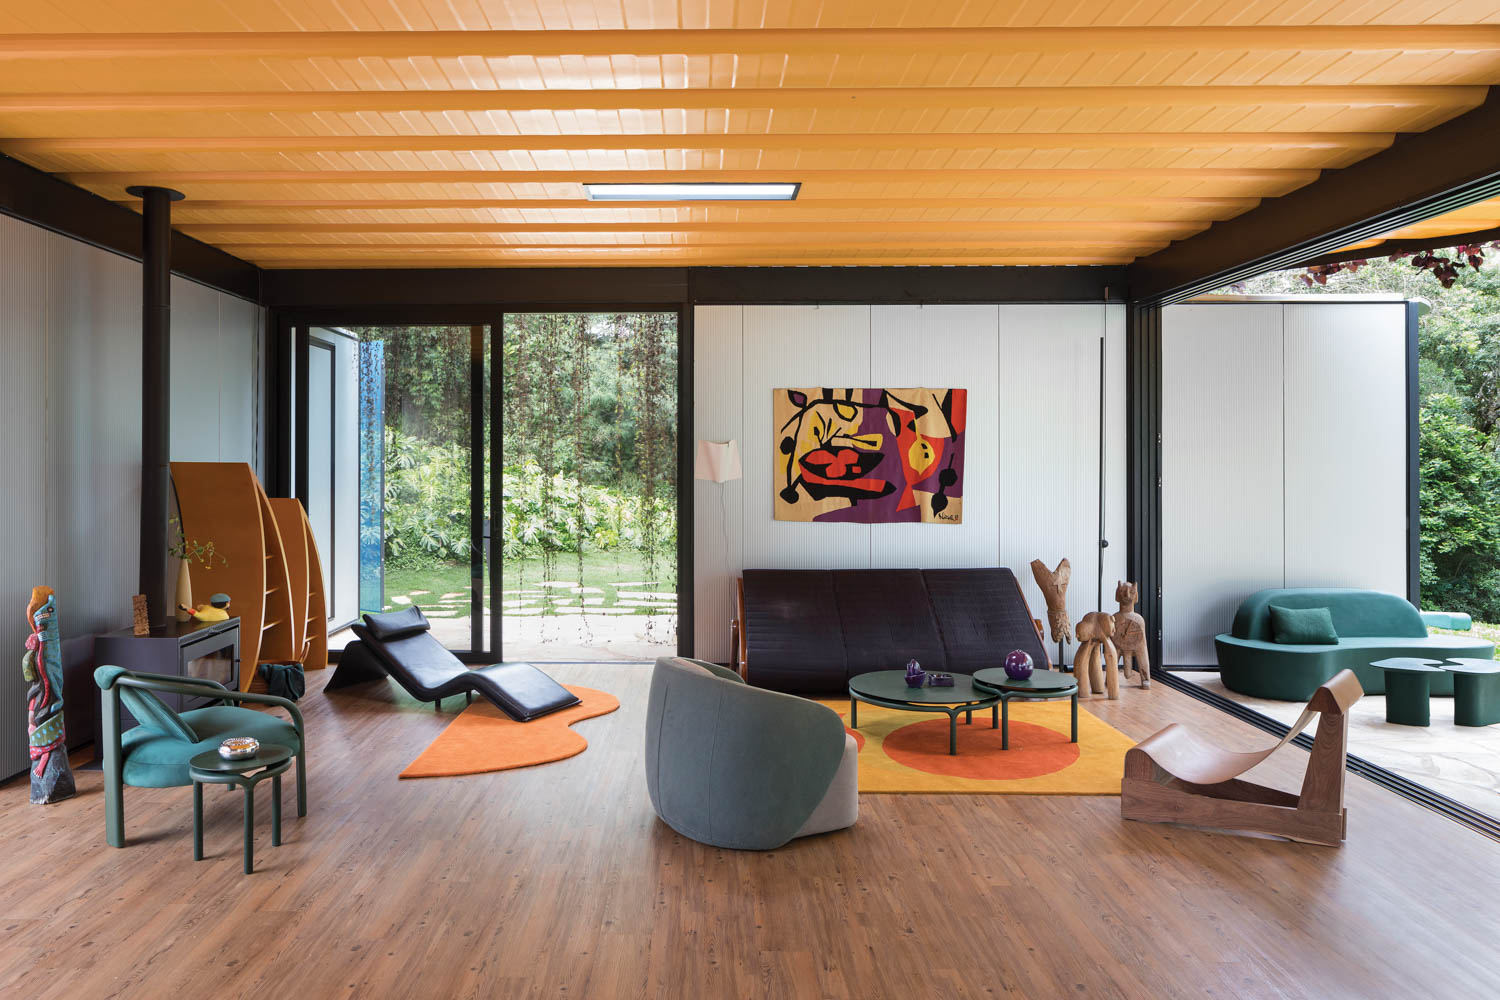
{"x": 1054, "y": 587}
{"x": 1096, "y": 665}
{"x": 1130, "y": 634}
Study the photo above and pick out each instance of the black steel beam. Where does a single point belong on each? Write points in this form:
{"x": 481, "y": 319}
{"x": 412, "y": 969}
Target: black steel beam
{"x": 1143, "y": 352}
{"x": 571, "y": 288}
{"x": 1419, "y": 177}
{"x": 32, "y": 196}
{"x": 900, "y": 285}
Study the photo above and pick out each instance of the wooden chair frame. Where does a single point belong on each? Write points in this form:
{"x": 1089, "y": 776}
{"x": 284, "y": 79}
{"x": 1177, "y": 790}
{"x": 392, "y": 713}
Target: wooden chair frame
{"x": 1174, "y": 777}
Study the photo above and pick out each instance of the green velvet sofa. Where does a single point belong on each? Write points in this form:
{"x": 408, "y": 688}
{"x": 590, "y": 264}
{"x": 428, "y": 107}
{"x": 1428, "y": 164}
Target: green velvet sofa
{"x": 1371, "y": 626}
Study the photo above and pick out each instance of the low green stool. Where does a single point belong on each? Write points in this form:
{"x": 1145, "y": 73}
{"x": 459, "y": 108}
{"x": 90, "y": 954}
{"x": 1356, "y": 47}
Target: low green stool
{"x": 1476, "y": 691}
{"x": 1408, "y": 689}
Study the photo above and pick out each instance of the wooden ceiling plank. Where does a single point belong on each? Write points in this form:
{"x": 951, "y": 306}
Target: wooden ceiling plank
{"x": 1360, "y": 141}
{"x": 1258, "y": 175}
{"x": 801, "y": 205}
{"x": 199, "y": 229}
{"x": 767, "y": 42}
{"x": 661, "y": 99}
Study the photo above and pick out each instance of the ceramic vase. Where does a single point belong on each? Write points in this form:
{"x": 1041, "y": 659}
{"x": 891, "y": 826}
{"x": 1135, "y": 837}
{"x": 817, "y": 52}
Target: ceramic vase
{"x": 184, "y": 591}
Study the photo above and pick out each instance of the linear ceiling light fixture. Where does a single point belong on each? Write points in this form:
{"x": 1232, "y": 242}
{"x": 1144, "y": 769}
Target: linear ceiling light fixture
{"x": 708, "y": 191}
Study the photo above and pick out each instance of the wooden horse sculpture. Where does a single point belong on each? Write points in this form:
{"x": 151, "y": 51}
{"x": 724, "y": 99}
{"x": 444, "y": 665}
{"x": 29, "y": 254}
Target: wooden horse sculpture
{"x": 1054, "y": 587}
{"x": 1097, "y": 663}
{"x": 1174, "y": 777}
{"x": 1130, "y": 634}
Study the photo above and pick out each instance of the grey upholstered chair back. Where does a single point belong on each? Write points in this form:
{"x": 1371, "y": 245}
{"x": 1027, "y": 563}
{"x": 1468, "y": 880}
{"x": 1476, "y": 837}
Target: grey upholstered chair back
{"x": 735, "y": 766}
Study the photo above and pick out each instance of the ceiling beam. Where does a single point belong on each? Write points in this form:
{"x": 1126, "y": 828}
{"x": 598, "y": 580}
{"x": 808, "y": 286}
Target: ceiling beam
{"x": 778, "y": 141}
{"x": 1446, "y": 168}
{"x": 1058, "y": 175}
{"x": 822, "y": 248}
{"x": 801, "y": 205}
{"x": 750, "y": 98}
{"x": 746, "y": 260}
{"x": 873, "y": 42}
{"x": 1044, "y": 228}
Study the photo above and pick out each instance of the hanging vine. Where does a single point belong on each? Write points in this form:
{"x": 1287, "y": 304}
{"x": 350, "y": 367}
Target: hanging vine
{"x": 580, "y": 385}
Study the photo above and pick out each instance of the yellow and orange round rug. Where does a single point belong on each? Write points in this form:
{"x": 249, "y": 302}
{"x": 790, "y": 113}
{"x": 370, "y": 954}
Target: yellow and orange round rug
{"x": 908, "y": 752}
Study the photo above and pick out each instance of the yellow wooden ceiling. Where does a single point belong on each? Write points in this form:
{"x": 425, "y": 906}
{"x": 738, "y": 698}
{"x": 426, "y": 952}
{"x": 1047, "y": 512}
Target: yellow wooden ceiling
{"x": 420, "y": 133}
{"x": 1477, "y": 218}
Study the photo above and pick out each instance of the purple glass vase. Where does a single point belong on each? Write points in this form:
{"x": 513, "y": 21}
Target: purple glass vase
{"x": 915, "y": 675}
{"x": 1018, "y": 665}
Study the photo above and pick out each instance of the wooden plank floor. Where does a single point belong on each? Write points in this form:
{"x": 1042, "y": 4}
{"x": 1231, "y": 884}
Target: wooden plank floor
{"x": 559, "y": 881}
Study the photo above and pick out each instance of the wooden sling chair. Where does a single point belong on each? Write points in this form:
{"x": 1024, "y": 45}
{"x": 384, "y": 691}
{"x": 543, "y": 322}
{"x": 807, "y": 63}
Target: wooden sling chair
{"x": 1175, "y": 777}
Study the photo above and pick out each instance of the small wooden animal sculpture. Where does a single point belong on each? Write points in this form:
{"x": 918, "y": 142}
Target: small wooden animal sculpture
{"x": 1096, "y": 665}
{"x": 1130, "y": 633}
{"x": 1054, "y": 587}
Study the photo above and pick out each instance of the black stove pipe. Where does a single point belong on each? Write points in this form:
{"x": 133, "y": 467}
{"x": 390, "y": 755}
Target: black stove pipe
{"x": 156, "y": 382}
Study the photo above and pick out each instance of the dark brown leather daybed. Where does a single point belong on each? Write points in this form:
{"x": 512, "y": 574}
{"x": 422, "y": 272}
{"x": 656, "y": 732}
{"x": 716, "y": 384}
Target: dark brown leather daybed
{"x": 809, "y": 631}
{"x": 399, "y": 645}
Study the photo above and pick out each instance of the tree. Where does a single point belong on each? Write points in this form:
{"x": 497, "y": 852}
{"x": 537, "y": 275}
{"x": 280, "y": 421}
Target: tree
{"x": 1460, "y": 513}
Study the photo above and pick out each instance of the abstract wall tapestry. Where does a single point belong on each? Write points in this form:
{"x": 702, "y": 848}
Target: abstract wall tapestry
{"x": 869, "y": 456}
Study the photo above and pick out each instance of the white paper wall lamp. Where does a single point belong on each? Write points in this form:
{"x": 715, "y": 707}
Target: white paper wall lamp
{"x": 718, "y": 461}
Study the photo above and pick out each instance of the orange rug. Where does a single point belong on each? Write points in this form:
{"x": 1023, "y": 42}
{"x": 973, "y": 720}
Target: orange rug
{"x": 908, "y": 752}
{"x": 483, "y": 738}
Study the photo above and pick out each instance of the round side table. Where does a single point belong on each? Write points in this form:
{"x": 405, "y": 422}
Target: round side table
{"x": 246, "y": 772}
{"x": 887, "y": 688}
{"x": 1042, "y": 685}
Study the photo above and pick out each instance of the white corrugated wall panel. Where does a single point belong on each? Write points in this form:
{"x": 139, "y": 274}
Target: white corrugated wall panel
{"x": 1346, "y": 460}
{"x": 1048, "y": 488}
{"x": 718, "y": 509}
{"x": 94, "y": 422}
{"x": 944, "y": 347}
{"x": 239, "y": 336}
{"x": 24, "y": 299}
{"x": 1222, "y": 469}
{"x": 196, "y": 361}
{"x": 792, "y": 347}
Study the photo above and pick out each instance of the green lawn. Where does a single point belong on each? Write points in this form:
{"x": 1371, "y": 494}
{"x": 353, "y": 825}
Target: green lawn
{"x": 429, "y": 585}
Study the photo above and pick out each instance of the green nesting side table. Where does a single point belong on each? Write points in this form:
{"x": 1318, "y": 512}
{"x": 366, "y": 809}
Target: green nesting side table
{"x": 887, "y": 688}
{"x": 208, "y": 768}
{"x": 1476, "y": 691}
{"x": 1408, "y": 689}
{"x": 1042, "y": 685}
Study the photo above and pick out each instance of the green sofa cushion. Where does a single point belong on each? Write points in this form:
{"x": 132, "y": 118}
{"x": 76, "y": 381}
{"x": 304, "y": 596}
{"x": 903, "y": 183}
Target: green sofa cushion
{"x": 155, "y": 760}
{"x": 148, "y": 709}
{"x": 1303, "y": 626}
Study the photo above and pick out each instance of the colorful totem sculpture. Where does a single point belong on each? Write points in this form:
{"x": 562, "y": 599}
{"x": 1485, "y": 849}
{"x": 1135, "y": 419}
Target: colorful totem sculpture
{"x": 51, "y": 778}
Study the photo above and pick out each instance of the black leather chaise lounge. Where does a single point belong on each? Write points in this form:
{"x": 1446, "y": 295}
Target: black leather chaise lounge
{"x": 399, "y": 645}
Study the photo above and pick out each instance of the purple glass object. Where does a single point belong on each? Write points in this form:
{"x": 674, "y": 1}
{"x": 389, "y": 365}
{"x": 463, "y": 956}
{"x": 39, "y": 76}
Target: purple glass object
{"x": 940, "y": 680}
{"x": 915, "y": 675}
{"x": 1018, "y": 665}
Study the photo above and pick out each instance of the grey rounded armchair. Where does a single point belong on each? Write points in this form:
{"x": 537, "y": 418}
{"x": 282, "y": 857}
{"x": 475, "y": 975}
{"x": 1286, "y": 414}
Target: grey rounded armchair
{"x": 735, "y": 766}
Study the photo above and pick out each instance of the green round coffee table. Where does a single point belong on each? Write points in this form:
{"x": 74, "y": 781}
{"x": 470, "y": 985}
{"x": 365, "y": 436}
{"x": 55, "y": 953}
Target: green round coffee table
{"x": 887, "y": 688}
{"x": 1042, "y": 685}
{"x": 209, "y": 768}
{"x": 1408, "y": 689}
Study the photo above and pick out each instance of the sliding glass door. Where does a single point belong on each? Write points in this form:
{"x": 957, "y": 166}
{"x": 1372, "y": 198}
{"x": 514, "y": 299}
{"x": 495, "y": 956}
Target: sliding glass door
{"x": 556, "y": 539}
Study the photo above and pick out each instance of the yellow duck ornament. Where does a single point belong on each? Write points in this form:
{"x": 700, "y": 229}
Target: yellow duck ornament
{"x": 216, "y": 610}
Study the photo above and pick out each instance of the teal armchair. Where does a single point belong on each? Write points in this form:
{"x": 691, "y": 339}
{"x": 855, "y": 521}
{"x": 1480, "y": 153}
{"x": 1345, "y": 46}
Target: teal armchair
{"x": 155, "y": 754}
